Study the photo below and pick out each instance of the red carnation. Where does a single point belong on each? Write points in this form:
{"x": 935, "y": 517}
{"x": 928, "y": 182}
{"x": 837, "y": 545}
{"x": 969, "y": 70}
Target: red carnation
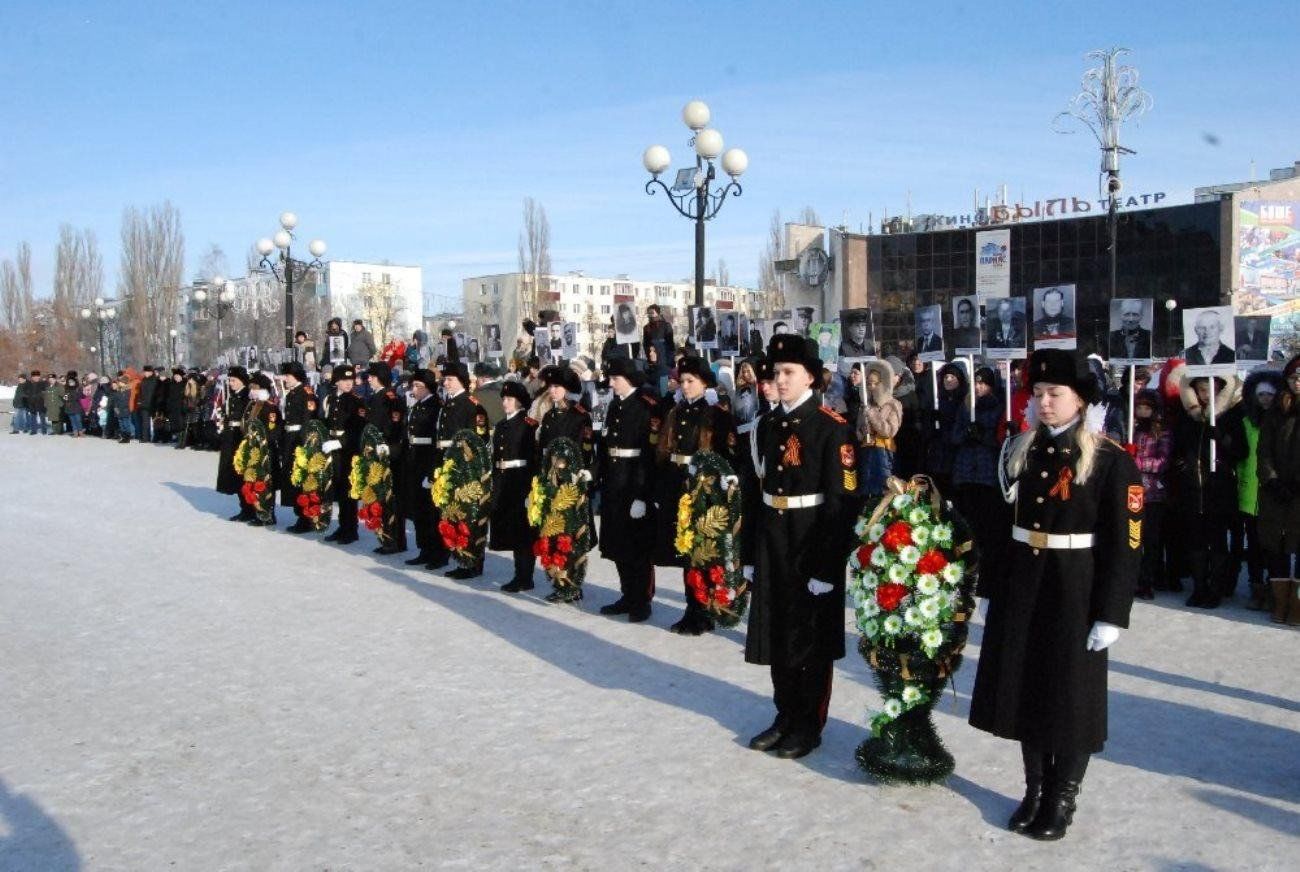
{"x": 931, "y": 562}
{"x": 716, "y": 575}
{"x": 723, "y": 595}
{"x": 302, "y": 500}
{"x": 864, "y": 554}
{"x": 564, "y": 543}
{"x": 259, "y": 486}
{"x": 695, "y": 579}
{"x": 897, "y": 535}
{"x": 545, "y": 544}
{"x": 889, "y": 595}
{"x": 444, "y": 529}
{"x": 314, "y": 497}
{"x": 558, "y": 561}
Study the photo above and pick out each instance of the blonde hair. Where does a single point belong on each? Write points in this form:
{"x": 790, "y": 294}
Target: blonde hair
{"x": 1087, "y": 442}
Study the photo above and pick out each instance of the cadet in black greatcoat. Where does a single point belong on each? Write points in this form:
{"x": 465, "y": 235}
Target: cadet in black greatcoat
{"x": 566, "y": 416}
{"x": 262, "y": 407}
{"x": 299, "y": 408}
{"x": 232, "y": 433}
{"x": 514, "y": 463}
{"x": 625, "y": 471}
{"x": 460, "y": 411}
{"x": 1071, "y": 569}
{"x": 345, "y": 417}
{"x": 806, "y": 465}
{"x": 418, "y": 467}
{"x": 692, "y": 425}
{"x": 387, "y": 410}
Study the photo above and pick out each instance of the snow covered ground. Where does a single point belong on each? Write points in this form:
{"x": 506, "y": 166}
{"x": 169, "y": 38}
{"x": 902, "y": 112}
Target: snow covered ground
{"x": 177, "y": 691}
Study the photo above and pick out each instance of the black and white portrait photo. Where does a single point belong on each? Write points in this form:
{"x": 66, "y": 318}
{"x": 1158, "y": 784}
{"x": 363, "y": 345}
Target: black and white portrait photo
{"x": 929, "y": 333}
{"x": 1207, "y": 337}
{"x": 492, "y": 340}
{"x": 966, "y": 325}
{"x": 1252, "y": 337}
{"x": 1054, "y": 317}
{"x": 626, "y": 330}
{"x": 1129, "y": 341}
{"x": 703, "y": 327}
{"x": 856, "y": 334}
{"x": 728, "y": 333}
{"x": 1005, "y": 333}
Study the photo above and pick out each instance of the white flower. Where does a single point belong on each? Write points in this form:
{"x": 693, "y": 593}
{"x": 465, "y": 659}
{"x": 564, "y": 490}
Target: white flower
{"x": 859, "y": 597}
{"x": 897, "y": 573}
{"x": 918, "y": 515}
{"x": 870, "y": 607}
{"x": 870, "y": 580}
{"x": 913, "y": 616}
{"x": 876, "y": 531}
{"x": 921, "y": 536}
{"x": 870, "y": 629}
{"x": 860, "y": 527}
{"x": 901, "y": 501}
{"x": 929, "y": 608}
{"x": 909, "y": 554}
{"x": 952, "y": 573}
{"x": 932, "y": 639}
{"x": 893, "y": 625}
{"x": 942, "y": 534}
{"x": 928, "y": 584}
{"x": 879, "y": 557}
{"x": 911, "y": 694}
{"x": 893, "y": 707}
{"x": 948, "y": 599}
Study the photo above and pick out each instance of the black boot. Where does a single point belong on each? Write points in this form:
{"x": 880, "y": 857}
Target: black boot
{"x": 1060, "y": 791}
{"x": 246, "y": 514}
{"x": 420, "y": 559}
{"x": 769, "y": 738}
{"x": 1024, "y": 815}
{"x": 617, "y": 607}
{"x": 464, "y": 573}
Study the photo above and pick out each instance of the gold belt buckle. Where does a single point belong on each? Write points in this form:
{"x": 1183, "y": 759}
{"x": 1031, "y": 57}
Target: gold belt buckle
{"x": 780, "y": 502}
{"x": 1037, "y": 539}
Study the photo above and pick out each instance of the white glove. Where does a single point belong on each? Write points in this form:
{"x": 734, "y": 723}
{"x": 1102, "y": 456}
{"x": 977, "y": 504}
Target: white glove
{"x": 584, "y": 475}
{"x": 1102, "y": 636}
{"x": 528, "y": 503}
{"x": 425, "y": 484}
{"x": 330, "y": 446}
{"x": 730, "y": 481}
{"x": 748, "y": 573}
{"x": 638, "y": 509}
{"x": 382, "y": 449}
{"x": 817, "y": 588}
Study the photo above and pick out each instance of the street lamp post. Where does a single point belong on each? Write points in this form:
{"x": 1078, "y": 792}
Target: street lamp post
{"x": 222, "y": 298}
{"x": 172, "y": 333}
{"x": 691, "y": 194}
{"x": 1170, "y": 305}
{"x": 286, "y": 269}
{"x": 102, "y": 313}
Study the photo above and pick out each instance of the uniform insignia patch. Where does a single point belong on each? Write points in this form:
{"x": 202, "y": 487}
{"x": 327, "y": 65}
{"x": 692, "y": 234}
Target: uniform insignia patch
{"x": 851, "y": 480}
{"x": 1135, "y": 498}
{"x": 1134, "y": 534}
{"x": 654, "y": 425}
{"x": 833, "y": 415}
{"x": 311, "y": 405}
{"x": 397, "y": 416}
{"x": 793, "y": 455}
{"x": 731, "y": 440}
{"x": 846, "y": 456}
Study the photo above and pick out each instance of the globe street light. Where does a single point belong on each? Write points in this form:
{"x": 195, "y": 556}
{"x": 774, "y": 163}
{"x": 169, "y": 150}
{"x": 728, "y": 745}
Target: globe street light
{"x": 690, "y": 194}
{"x": 102, "y": 313}
{"x": 286, "y": 269}
{"x": 1170, "y": 305}
{"x": 222, "y": 297}
{"x": 172, "y": 333}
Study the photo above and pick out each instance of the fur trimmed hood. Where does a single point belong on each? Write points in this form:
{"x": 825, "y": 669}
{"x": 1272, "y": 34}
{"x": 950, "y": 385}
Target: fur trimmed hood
{"x": 1223, "y": 399}
{"x": 885, "y": 390}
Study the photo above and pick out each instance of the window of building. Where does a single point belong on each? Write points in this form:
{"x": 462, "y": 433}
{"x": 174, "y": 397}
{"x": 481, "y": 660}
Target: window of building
{"x": 385, "y": 278}
{"x": 577, "y": 308}
{"x": 604, "y": 310}
{"x": 365, "y": 278}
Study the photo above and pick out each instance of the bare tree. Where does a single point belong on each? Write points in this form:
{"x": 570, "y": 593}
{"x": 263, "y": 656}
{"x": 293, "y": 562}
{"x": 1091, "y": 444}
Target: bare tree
{"x": 16, "y": 299}
{"x": 722, "y": 276}
{"x": 767, "y": 279}
{"x": 809, "y": 216}
{"x": 381, "y": 306}
{"x": 152, "y": 263}
{"x": 78, "y": 281}
{"x": 534, "y": 255}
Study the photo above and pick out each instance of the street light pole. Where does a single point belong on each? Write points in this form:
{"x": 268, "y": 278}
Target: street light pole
{"x": 222, "y": 296}
{"x": 101, "y": 313}
{"x": 287, "y": 270}
{"x": 691, "y": 195}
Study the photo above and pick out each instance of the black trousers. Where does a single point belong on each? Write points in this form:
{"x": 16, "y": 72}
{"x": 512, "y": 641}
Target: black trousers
{"x": 524, "y": 562}
{"x": 347, "y": 515}
{"x": 802, "y": 693}
{"x": 636, "y": 581}
{"x": 1153, "y": 546}
{"x": 394, "y": 526}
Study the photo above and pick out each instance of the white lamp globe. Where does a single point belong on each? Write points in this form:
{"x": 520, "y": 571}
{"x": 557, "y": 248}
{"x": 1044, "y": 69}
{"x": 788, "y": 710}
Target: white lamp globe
{"x": 1171, "y": 304}
{"x": 227, "y": 295}
{"x": 317, "y": 247}
{"x": 265, "y": 246}
{"x": 85, "y": 313}
{"x": 218, "y": 281}
{"x": 708, "y": 143}
{"x": 283, "y": 239}
{"x": 735, "y": 162}
{"x": 656, "y": 159}
{"x": 99, "y": 301}
{"x": 200, "y": 295}
{"x": 172, "y": 332}
{"x": 288, "y": 220}
{"x": 695, "y": 115}
{"x": 451, "y": 325}
{"x": 111, "y": 313}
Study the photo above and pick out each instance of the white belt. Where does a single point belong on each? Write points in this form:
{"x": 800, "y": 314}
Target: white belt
{"x": 420, "y": 440}
{"x": 807, "y": 501}
{"x": 1037, "y": 539}
{"x": 236, "y": 423}
{"x": 292, "y": 428}
{"x": 746, "y": 427}
{"x": 336, "y": 432}
{"x": 681, "y": 459}
{"x": 444, "y": 443}
{"x": 511, "y": 464}
{"x": 625, "y": 452}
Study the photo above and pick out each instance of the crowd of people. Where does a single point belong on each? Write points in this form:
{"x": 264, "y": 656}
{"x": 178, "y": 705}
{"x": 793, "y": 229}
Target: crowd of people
{"x": 1137, "y": 479}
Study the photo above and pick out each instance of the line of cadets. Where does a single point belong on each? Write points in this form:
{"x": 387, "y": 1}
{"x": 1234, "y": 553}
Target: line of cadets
{"x": 795, "y": 465}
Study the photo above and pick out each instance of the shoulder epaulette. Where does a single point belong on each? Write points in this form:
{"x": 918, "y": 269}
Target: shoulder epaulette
{"x": 389, "y": 393}
{"x": 650, "y": 401}
{"x": 309, "y": 391}
{"x": 577, "y": 407}
{"x": 529, "y": 421}
{"x": 833, "y": 415}
{"x": 473, "y": 399}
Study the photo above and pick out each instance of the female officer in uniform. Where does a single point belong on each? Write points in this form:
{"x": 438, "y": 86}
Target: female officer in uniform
{"x": 1072, "y": 566}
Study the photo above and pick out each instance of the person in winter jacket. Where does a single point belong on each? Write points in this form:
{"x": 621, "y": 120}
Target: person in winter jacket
{"x": 1258, "y": 398}
{"x": 876, "y": 427}
{"x": 907, "y": 454}
{"x": 976, "y": 491}
{"x": 953, "y": 404}
{"x": 1279, "y": 495}
{"x": 1206, "y": 492}
{"x": 361, "y": 346}
{"x": 1152, "y": 446}
{"x": 53, "y": 398}
{"x": 334, "y": 345}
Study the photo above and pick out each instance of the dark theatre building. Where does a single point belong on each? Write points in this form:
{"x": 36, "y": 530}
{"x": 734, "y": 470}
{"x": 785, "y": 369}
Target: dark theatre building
{"x": 1172, "y": 252}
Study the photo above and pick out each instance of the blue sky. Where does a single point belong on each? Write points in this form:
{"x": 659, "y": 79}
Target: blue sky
{"x": 413, "y": 131}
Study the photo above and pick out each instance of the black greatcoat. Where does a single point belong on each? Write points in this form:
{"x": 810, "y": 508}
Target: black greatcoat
{"x": 688, "y": 429}
{"x": 625, "y": 479}
{"x": 387, "y": 411}
{"x": 461, "y": 412}
{"x": 345, "y": 418}
{"x": 299, "y": 408}
{"x": 232, "y": 433}
{"x": 807, "y": 451}
{"x": 572, "y": 421}
{"x": 513, "y": 438}
{"x": 418, "y": 466}
{"x": 1037, "y": 682}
